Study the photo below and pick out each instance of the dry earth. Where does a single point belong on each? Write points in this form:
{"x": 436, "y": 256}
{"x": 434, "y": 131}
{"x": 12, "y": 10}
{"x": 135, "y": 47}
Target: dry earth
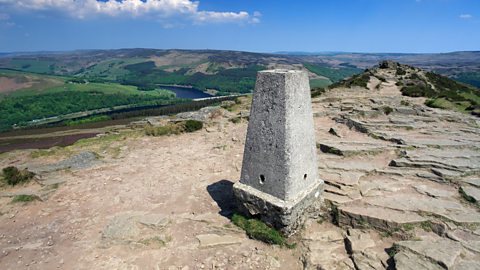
{"x": 11, "y": 84}
{"x": 391, "y": 197}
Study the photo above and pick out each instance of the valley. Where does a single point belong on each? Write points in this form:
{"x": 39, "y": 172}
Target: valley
{"x": 64, "y": 86}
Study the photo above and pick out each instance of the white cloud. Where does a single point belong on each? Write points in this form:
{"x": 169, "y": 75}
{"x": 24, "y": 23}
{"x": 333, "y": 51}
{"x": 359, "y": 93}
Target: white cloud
{"x": 465, "y": 16}
{"x": 162, "y": 9}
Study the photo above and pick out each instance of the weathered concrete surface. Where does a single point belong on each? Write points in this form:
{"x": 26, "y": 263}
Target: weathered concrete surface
{"x": 286, "y": 216}
{"x": 279, "y": 178}
{"x": 280, "y": 154}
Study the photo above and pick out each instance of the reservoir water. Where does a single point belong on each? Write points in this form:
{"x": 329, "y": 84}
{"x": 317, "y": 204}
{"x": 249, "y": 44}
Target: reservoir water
{"x": 186, "y": 92}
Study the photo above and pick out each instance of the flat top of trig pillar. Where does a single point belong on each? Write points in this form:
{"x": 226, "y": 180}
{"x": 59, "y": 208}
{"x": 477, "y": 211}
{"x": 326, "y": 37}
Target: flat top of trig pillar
{"x": 281, "y": 71}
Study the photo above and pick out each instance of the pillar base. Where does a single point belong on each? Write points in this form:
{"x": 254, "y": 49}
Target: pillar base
{"x": 286, "y": 216}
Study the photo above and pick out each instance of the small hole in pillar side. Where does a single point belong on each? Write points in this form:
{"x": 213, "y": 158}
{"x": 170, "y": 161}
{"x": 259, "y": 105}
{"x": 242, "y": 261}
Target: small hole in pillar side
{"x": 262, "y": 179}
{"x": 304, "y": 176}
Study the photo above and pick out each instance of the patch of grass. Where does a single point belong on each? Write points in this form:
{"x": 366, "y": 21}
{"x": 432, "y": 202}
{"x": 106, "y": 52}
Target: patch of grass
{"x": 419, "y": 90}
{"x": 258, "y": 230}
{"x": 387, "y": 110}
{"x": 174, "y": 129}
{"x": 408, "y": 227}
{"x": 193, "y": 125}
{"x": 426, "y": 225}
{"x": 393, "y": 250}
{"x": 13, "y": 176}
{"x": 442, "y": 103}
{"x": 360, "y": 80}
{"x": 23, "y": 198}
{"x": 404, "y": 103}
{"x": 169, "y": 129}
{"x": 102, "y": 140}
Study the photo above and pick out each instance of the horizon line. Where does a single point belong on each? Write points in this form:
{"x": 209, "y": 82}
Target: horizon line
{"x": 286, "y": 52}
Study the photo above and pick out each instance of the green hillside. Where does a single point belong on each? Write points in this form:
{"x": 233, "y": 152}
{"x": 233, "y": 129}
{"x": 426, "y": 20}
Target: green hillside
{"x": 50, "y": 96}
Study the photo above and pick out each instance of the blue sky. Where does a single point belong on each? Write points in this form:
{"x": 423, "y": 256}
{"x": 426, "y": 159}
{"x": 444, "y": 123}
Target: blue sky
{"x": 247, "y": 25}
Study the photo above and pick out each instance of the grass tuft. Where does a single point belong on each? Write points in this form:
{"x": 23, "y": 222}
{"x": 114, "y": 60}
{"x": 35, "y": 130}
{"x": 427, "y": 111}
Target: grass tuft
{"x": 23, "y": 198}
{"x": 258, "y": 230}
{"x": 393, "y": 250}
{"x": 387, "y": 110}
{"x": 13, "y": 176}
{"x": 174, "y": 129}
{"x": 193, "y": 125}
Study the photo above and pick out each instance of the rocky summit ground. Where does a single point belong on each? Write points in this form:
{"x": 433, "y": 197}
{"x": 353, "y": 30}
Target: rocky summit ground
{"x": 401, "y": 191}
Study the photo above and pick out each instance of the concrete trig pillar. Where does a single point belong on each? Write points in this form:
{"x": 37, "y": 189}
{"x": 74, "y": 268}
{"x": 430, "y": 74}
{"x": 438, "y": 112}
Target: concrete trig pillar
{"x": 279, "y": 178}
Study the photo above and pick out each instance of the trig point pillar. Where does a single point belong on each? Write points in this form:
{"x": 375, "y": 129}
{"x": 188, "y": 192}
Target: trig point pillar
{"x": 279, "y": 179}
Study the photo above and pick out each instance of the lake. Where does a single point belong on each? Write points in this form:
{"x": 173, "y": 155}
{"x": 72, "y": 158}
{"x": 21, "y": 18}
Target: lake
{"x": 186, "y": 92}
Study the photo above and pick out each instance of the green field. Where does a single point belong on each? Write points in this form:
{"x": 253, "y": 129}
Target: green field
{"x": 110, "y": 70}
{"x": 33, "y": 65}
{"x": 62, "y": 97}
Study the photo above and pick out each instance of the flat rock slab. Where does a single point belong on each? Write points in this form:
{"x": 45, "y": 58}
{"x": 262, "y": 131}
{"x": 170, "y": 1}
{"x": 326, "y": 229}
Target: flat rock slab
{"x": 128, "y": 227}
{"x": 79, "y": 161}
{"x": 345, "y": 178}
{"x": 335, "y": 198}
{"x": 461, "y": 160}
{"x": 467, "y": 265}
{"x": 213, "y": 240}
{"x": 357, "y": 241}
{"x": 326, "y": 255}
{"x": 468, "y": 239}
{"x": 449, "y": 208}
{"x": 350, "y": 148}
{"x": 442, "y": 251}
{"x": 203, "y": 114}
{"x": 377, "y": 217}
{"x": 474, "y": 182}
{"x": 472, "y": 192}
{"x": 407, "y": 260}
{"x": 436, "y": 192}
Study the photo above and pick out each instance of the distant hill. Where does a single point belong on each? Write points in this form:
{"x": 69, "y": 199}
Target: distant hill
{"x": 226, "y": 71}
{"x": 45, "y": 85}
{"x": 442, "y": 92}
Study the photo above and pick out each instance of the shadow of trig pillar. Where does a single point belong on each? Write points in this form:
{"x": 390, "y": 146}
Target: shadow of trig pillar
{"x": 279, "y": 180}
